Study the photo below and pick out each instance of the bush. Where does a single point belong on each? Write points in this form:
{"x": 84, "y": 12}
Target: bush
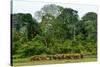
{"x": 32, "y": 48}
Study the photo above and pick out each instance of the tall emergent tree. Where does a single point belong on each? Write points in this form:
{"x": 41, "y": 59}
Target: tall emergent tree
{"x": 69, "y": 18}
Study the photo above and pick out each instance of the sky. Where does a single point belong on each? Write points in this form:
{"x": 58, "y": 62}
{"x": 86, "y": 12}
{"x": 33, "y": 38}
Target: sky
{"x": 33, "y": 6}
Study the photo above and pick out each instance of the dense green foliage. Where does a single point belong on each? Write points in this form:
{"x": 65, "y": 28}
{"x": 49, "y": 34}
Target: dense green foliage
{"x": 59, "y": 31}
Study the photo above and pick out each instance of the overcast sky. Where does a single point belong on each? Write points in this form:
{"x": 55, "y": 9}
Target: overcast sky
{"x": 32, "y": 7}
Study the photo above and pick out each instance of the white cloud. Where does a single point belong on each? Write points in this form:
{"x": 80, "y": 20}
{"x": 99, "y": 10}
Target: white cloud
{"x": 33, "y": 6}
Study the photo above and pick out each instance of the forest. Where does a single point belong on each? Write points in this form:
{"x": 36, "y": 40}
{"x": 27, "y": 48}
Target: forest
{"x": 54, "y": 30}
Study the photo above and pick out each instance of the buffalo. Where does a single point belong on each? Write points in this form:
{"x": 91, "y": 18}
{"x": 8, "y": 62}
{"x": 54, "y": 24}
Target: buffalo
{"x": 57, "y": 57}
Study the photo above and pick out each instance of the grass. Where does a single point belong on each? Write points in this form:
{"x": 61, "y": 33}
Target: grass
{"x": 27, "y": 62}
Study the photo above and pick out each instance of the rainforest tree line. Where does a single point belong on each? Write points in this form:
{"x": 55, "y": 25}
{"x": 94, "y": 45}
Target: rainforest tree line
{"x": 54, "y": 30}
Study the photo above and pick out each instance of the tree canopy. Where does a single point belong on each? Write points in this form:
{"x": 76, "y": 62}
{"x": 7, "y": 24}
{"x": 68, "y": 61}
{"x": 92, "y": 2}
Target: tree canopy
{"x": 59, "y": 31}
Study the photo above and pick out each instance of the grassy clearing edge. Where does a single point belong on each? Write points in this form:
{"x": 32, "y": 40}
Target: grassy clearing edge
{"x": 27, "y": 62}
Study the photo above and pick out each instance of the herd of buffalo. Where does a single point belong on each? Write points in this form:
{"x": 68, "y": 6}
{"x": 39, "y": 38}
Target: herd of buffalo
{"x": 57, "y": 57}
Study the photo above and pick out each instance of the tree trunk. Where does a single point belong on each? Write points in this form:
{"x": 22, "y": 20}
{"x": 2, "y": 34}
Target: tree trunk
{"x": 74, "y": 33}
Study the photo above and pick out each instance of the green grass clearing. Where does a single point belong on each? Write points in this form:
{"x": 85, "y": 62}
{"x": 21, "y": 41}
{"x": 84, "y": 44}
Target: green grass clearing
{"x": 26, "y": 62}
